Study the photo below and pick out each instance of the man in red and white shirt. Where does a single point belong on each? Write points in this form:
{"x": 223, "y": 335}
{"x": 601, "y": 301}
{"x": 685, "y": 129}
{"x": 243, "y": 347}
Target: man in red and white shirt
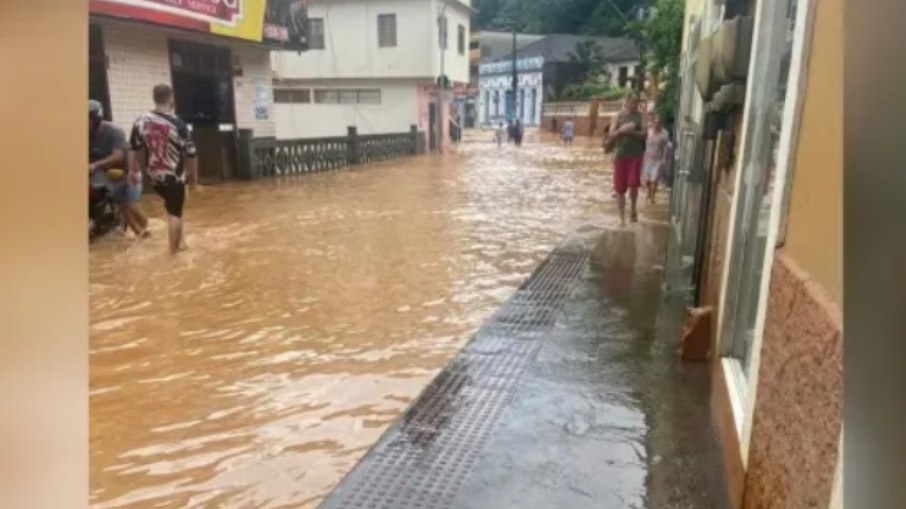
{"x": 163, "y": 145}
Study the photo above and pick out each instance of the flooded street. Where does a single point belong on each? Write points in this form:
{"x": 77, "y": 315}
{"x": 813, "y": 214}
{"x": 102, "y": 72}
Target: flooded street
{"x": 255, "y": 369}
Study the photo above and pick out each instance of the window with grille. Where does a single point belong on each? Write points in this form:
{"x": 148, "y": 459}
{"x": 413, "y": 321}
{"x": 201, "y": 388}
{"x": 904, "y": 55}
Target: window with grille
{"x": 386, "y": 30}
{"x": 327, "y": 96}
{"x": 315, "y": 33}
{"x": 284, "y": 96}
{"x": 342, "y": 96}
{"x": 370, "y": 96}
{"x": 461, "y": 40}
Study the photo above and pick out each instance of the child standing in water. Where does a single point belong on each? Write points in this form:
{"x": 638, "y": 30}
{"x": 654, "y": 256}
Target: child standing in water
{"x": 500, "y": 134}
{"x": 655, "y": 156}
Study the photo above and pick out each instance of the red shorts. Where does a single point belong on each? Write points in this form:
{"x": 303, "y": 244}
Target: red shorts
{"x": 627, "y": 174}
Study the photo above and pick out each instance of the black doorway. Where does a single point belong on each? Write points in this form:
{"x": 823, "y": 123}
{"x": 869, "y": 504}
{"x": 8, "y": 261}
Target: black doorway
{"x": 97, "y": 69}
{"x": 203, "y": 90}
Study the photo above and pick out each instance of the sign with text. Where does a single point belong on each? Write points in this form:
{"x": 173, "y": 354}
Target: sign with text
{"x": 241, "y": 19}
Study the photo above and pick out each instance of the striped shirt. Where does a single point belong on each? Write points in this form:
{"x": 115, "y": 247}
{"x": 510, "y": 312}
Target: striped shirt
{"x": 166, "y": 142}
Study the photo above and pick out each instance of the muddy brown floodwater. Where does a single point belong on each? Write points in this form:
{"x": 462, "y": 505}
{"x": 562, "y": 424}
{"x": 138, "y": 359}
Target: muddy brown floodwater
{"x": 254, "y": 370}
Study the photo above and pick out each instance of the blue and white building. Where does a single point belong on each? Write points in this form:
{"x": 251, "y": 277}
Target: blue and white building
{"x": 495, "y": 86}
{"x": 543, "y": 68}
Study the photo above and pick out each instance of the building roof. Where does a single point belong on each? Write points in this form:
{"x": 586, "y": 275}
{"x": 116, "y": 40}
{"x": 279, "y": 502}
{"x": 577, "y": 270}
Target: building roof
{"x": 558, "y": 47}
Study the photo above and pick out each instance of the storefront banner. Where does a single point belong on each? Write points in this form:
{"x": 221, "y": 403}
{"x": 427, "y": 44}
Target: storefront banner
{"x": 241, "y": 19}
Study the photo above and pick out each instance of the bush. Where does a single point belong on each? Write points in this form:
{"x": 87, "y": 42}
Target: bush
{"x": 590, "y": 90}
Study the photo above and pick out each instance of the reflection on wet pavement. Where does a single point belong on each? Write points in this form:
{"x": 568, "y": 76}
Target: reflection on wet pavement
{"x": 257, "y": 368}
{"x": 568, "y": 397}
{"x": 606, "y": 416}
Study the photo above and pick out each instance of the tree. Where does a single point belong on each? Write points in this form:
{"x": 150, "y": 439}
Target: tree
{"x": 589, "y": 17}
{"x": 588, "y": 61}
{"x": 662, "y": 34}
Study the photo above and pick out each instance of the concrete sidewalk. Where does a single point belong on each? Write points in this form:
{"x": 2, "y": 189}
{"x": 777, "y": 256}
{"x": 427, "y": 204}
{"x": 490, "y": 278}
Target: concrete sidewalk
{"x": 566, "y": 398}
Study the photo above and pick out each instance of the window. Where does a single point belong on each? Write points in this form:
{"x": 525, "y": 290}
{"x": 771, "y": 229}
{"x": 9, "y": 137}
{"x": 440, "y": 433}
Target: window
{"x": 282, "y": 96}
{"x": 461, "y": 40}
{"x": 624, "y": 76}
{"x": 344, "y": 96}
{"x": 327, "y": 96}
{"x": 442, "y": 31}
{"x": 370, "y": 96}
{"x": 386, "y": 30}
{"x": 315, "y": 33}
{"x": 760, "y": 165}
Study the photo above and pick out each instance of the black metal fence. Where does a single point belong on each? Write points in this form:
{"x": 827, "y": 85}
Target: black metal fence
{"x": 269, "y": 158}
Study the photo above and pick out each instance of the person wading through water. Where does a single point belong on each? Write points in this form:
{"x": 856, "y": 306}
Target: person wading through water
{"x": 627, "y": 136}
{"x": 168, "y": 155}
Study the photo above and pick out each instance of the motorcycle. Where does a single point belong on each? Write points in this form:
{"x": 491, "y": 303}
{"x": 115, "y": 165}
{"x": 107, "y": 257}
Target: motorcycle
{"x": 103, "y": 213}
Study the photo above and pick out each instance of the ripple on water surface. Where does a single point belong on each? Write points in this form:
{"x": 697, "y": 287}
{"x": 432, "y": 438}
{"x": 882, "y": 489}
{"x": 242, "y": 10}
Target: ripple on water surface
{"x": 255, "y": 369}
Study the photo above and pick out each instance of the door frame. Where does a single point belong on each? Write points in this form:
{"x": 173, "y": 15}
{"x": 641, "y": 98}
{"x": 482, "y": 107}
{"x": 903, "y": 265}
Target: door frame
{"x": 742, "y": 389}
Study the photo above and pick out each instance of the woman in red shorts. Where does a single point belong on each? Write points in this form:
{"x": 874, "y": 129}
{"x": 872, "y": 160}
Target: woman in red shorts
{"x": 629, "y": 130}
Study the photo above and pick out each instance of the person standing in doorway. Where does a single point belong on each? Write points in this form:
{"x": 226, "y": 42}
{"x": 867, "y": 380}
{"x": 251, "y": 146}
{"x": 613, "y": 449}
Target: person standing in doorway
{"x": 655, "y": 156}
{"x": 629, "y": 129}
{"x": 107, "y": 149}
{"x": 568, "y": 132}
{"x": 162, "y": 144}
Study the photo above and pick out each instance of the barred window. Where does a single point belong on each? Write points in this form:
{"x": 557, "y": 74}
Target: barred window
{"x": 372, "y": 96}
{"x": 346, "y": 96}
{"x": 327, "y": 96}
{"x": 292, "y": 95}
{"x": 315, "y": 33}
{"x": 386, "y": 30}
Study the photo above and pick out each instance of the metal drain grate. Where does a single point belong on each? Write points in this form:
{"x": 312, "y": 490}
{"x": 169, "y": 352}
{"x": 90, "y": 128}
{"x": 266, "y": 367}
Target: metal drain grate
{"x": 424, "y": 458}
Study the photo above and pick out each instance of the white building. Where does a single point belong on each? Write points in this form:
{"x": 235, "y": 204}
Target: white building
{"x": 374, "y": 65}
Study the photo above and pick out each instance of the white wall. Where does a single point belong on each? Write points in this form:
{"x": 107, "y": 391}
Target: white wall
{"x": 256, "y": 76}
{"x": 614, "y": 70}
{"x": 351, "y": 42}
{"x": 456, "y": 65}
{"x": 396, "y": 113}
{"x": 138, "y": 60}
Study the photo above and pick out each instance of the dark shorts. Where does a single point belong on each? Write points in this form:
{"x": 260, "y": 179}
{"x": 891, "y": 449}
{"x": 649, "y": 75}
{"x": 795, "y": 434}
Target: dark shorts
{"x": 174, "y": 194}
{"x": 627, "y": 174}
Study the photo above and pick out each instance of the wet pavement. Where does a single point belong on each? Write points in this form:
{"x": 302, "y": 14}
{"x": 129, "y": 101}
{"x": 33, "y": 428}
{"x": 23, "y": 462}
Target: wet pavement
{"x": 256, "y": 369}
{"x": 567, "y": 397}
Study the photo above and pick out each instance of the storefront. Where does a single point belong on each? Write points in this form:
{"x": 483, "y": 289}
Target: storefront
{"x": 214, "y": 53}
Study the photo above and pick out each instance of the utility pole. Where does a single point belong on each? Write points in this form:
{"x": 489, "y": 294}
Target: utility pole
{"x": 442, "y": 81}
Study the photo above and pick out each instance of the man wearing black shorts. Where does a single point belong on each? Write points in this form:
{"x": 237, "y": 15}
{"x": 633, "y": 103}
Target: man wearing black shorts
{"x": 163, "y": 144}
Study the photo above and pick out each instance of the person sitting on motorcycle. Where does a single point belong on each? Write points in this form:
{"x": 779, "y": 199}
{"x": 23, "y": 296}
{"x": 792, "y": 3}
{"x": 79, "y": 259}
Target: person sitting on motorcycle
{"x": 107, "y": 150}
